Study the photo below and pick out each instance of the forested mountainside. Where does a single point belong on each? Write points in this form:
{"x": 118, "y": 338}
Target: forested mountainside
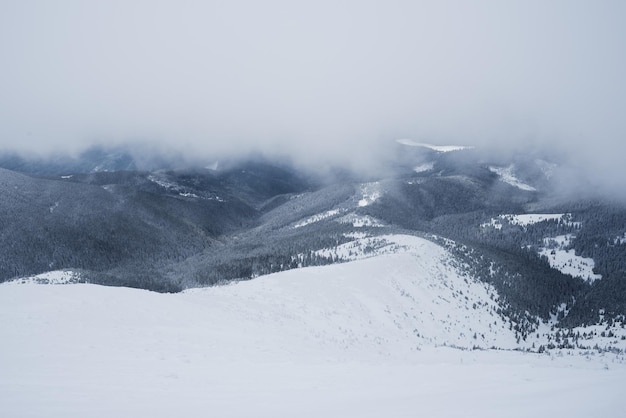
{"x": 548, "y": 254}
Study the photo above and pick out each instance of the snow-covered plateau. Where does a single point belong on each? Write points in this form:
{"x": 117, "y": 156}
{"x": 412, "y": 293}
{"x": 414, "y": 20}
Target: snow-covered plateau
{"x": 389, "y": 335}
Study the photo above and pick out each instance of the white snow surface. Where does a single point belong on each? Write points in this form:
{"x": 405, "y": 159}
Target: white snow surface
{"x": 370, "y": 193}
{"x": 530, "y": 219}
{"x": 566, "y": 261}
{"x": 507, "y": 175}
{"x": 493, "y": 223}
{"x": 359, "y": 339}
{"x": 187, "y": 194}
{"x": 163, "y": 183}
{"x": 170, "y": 186}
{"x": 438, "y": 148}
{"x": 554, "y": 248}
{"x": 422, "y": 168}
{"x": 359, "y": 221}
{"x": 317, "y": 218}
{"x": 50, "y": 277}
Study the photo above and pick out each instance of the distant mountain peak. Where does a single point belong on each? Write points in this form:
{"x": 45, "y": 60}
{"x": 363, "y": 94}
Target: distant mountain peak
{"x": 438, "y": 148}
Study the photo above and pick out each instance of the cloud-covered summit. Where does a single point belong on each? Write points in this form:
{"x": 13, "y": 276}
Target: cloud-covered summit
{"x": 317, "y": 80}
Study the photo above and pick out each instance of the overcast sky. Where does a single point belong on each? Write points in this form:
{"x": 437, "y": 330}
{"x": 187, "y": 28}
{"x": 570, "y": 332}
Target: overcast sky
{"x": 316, "y": 78}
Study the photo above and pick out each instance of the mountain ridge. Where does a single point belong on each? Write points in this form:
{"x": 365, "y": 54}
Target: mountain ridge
{"x": 168, "y": 230}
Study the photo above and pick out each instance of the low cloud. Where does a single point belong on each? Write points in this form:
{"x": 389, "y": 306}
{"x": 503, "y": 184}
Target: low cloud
{"x": 322, "y": 82}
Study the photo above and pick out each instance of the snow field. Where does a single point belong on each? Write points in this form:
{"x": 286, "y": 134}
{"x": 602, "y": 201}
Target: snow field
{"x": 370, "y": 193}
{"x": 566, "y": 261}
{"x": 359, "y": 221}
{"x": 529, "y": 219}
{"x": 366, "y": 194}
{"x": 355, "y": 339}
{"x": 50, "y": 277}
{"x": 317, "y": 218}
{"x": 555, "y": 248}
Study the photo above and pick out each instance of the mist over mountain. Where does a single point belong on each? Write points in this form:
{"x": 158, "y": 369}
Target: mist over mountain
{"x": 354, "y": 208}
{"x": 442, "y": 263}
{"x": 175, "y": 224}
{"x": 321, "y": 84}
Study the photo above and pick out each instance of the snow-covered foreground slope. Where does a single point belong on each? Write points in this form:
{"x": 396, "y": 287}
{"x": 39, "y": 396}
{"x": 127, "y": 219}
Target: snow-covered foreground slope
{"x": 355, "y": 339}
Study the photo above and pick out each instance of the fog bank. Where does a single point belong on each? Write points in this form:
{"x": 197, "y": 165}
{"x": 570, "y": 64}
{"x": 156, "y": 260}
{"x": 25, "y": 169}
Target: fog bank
{"x": 318, "y": 81}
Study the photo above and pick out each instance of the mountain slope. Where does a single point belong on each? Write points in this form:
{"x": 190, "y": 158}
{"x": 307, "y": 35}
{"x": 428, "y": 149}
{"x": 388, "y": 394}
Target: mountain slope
{"x": 355, "y": 339}
{"x": 52, "y": 224}
{"x": 167, "y": 230}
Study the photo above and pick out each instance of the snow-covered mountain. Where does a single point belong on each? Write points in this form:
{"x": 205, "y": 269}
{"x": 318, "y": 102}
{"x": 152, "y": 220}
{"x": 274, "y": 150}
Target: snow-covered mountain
{"x": 451, "y": 285}
{"x": 375, "y": 336}
{"x": 169, "y": 230}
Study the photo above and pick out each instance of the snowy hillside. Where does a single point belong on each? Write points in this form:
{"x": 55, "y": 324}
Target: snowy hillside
{"x": 201, "y": 224}
{"x": 565, "y": 260}
{"x": 557, "y": 250}
{"x": 507, "y": 175}
{"x": 357, "y": 339}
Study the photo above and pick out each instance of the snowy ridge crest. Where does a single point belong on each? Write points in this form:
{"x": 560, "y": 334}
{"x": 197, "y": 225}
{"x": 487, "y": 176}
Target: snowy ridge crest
{"x": 51, "y": 277}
